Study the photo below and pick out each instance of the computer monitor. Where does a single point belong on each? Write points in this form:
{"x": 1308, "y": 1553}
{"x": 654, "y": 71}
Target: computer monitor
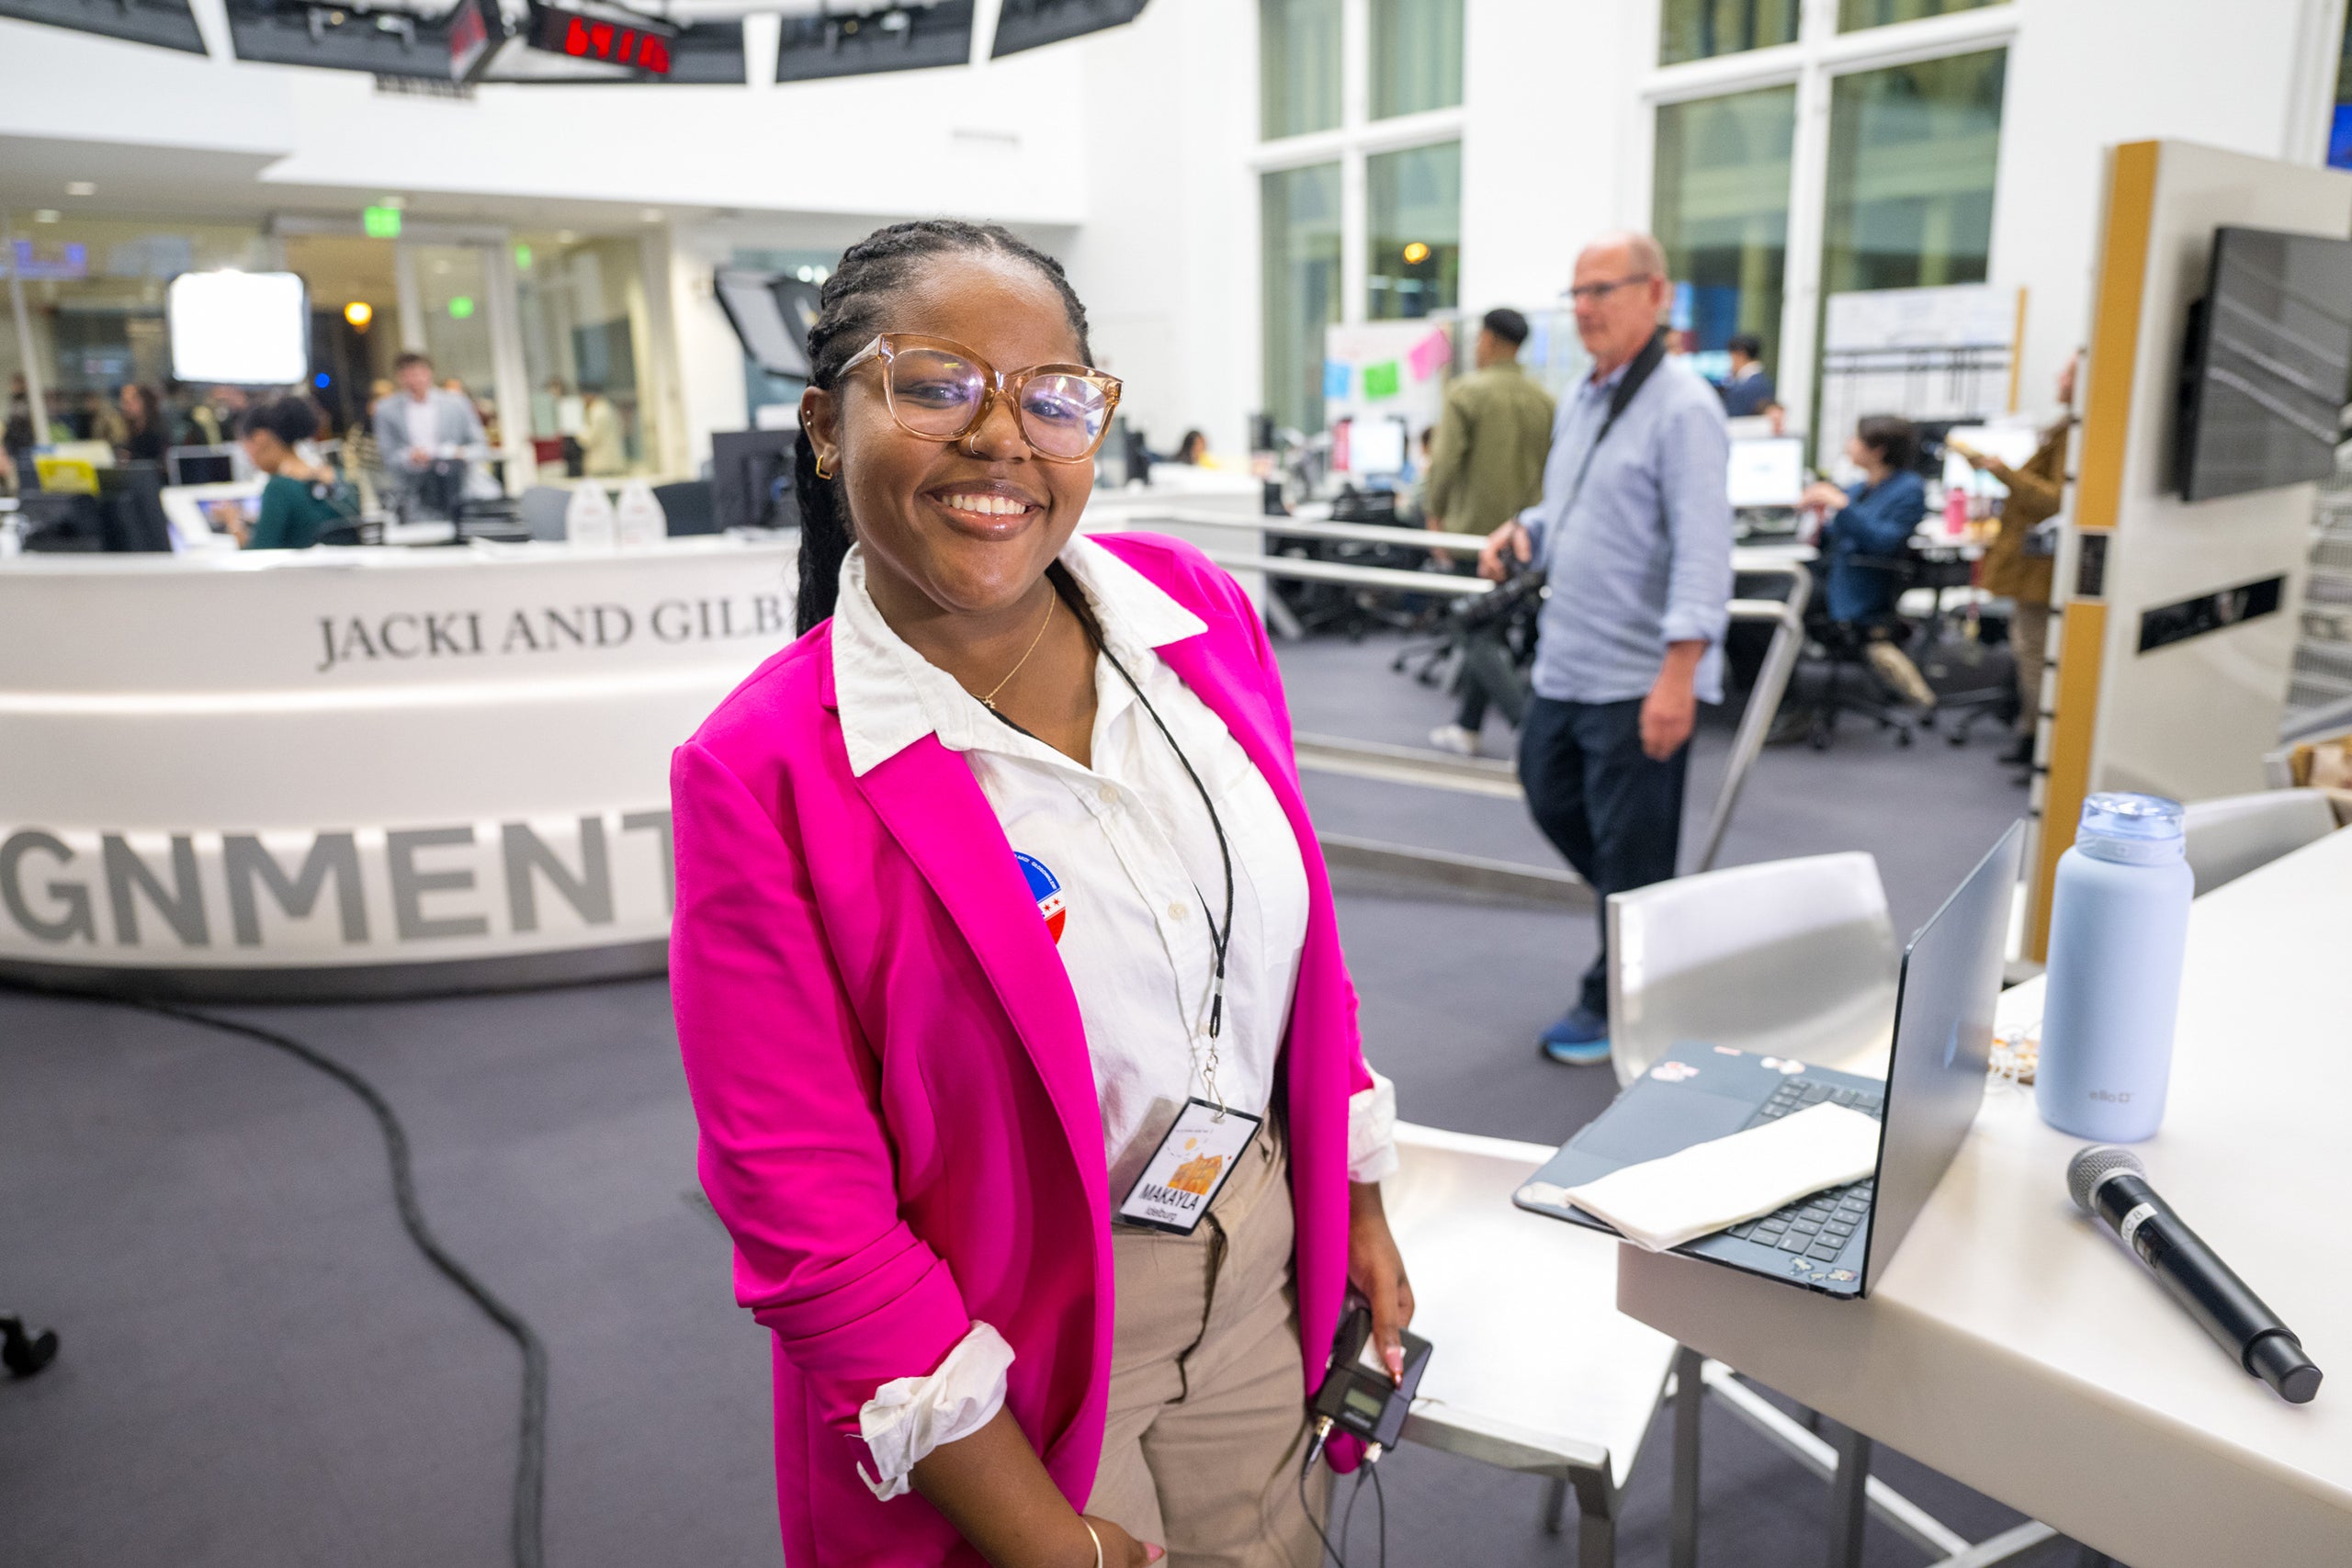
{"x": 1766, "y": 472}
{"x": 1376, "y": 447}
{"x": 201, "y": 465}
{"x": 751, "y": 478}
{"x": 131, "y": 509}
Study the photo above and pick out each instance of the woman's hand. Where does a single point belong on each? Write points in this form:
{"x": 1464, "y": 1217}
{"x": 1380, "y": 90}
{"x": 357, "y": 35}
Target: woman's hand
{"x": 1825, "y": 496}
{"x": 993, "y": 1488}
{"x": 1377, "y": 1271}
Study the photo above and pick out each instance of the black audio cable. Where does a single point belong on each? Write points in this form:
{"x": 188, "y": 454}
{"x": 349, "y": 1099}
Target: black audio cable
{"x": 530, "y": 1466}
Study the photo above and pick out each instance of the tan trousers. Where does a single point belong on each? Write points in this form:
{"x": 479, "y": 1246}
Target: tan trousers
{"x": 2029, "y": 639}
{"x": 1207, "y": 1417}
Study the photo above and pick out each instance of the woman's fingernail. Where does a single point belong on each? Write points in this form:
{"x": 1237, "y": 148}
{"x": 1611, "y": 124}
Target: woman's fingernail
{"x": 1153, "y": 1554}
{"x": 1395, "y": 1356}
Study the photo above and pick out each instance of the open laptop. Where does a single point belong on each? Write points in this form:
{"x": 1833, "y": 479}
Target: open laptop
{"x": 1840, "y": 1241}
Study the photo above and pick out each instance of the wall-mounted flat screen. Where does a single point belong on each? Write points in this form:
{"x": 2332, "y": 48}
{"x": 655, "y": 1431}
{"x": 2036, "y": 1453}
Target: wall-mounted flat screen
{"x": 168, "y": 24}
{"x": 2267, "y": 365}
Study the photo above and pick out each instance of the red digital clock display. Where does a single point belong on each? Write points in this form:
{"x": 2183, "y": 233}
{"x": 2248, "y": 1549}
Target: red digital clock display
{"x": 592, "y": 38}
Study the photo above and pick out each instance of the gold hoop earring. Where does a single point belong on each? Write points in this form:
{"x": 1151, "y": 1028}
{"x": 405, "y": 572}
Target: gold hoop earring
{"x": 822, "y": 471}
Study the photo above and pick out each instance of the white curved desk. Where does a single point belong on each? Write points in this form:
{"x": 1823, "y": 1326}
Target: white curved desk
{"x": 363, "y": 770}
{"x": 2016, "y": 1348}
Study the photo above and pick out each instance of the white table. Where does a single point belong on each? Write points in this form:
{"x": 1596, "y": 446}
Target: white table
{"x": 2016, "y": 1348}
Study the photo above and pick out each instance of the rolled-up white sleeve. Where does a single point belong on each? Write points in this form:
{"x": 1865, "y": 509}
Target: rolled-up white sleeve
{"x": 907, "y": 1417}
{"x": 1372, "y": 1130}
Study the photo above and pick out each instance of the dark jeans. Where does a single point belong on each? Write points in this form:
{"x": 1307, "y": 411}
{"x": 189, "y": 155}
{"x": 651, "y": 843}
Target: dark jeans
{"x": 1613, "y": 812}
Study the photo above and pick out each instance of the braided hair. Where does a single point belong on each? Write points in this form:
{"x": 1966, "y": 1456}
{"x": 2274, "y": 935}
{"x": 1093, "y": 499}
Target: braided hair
{"x": 853, "y": 307}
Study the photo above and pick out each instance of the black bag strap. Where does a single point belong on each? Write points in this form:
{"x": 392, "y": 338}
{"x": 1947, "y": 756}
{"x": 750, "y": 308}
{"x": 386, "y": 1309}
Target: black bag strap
{"x": 1644, "y": 365}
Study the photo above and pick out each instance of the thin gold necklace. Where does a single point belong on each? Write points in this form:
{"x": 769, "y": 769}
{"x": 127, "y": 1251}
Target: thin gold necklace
{"x": 988, "y": 702}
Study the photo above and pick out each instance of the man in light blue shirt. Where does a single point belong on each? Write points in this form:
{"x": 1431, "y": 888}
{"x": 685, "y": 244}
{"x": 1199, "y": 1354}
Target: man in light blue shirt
{"x": 1634, "y": 533}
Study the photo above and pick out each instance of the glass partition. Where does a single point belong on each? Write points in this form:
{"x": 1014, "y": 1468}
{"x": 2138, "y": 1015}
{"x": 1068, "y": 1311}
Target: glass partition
{"x": 1413, "y": 207}
{"x": 1855, "y": 15}
{"x": 1298, "y": 66}
{"x": 1721, "y": 209}
{"x": 1701, "y": 29}
{"x": 1300, "y": 228}
{"x": 581, "y": 302}
{"x": 94, "y": 301}
{"x": 1416, "y": 56}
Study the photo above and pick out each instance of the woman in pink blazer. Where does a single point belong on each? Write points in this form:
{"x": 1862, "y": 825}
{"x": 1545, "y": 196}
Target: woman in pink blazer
{"x": 904, "y": 1088}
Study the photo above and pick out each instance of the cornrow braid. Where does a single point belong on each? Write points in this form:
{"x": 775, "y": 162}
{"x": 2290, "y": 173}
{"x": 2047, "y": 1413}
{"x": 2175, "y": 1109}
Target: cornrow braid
{"x": 851, "y": 308}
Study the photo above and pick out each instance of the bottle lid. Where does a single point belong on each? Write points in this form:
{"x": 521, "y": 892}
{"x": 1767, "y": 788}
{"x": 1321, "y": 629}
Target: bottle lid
{"x": 2138, "y": 829}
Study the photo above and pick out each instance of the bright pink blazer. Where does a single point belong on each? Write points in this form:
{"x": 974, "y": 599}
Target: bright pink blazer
{"x": 896, "y": 1107}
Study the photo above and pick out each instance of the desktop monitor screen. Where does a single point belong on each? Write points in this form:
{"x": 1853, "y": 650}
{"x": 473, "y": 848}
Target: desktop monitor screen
{"x": 2268, "y": 360}
{"x": 201, "y": 465}
{"x": 1769, "y": 472}
{"x": 1377, "y": 446}
{"x": 751, "y": 478}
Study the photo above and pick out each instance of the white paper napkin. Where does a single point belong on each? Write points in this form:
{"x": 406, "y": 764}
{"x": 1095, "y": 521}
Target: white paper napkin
{"x": 1662, "y": 1204}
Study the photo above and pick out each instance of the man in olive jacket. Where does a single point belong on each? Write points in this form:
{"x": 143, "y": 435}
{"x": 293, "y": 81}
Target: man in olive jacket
{"x": 1487, "y": 462}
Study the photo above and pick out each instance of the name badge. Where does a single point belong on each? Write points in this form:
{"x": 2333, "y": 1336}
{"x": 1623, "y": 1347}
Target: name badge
{"x": 1190, "y": 1168}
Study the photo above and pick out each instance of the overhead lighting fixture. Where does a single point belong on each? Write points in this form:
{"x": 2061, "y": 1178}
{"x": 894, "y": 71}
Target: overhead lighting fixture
{"x": 167, "y": 24}
{"x": 651, "y": 215}
{"x": 81, "y": 187}
{"x": 565, "y": 236}
{"x": 359, "y": 313}
{"x": 1029, "y": 24}
{"x": 396, "y": 203}
{"x": 890, "y": 38}
{"x": 1416, "y": 254}
{"x": 46, "y": 215}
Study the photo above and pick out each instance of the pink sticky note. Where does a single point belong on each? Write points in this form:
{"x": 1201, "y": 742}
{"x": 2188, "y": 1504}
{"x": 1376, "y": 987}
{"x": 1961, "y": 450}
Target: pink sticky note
{"x": 1429, "y": 354}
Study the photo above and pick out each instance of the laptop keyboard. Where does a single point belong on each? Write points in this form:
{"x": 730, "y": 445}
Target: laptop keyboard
{"x": 1816, "y": 1228}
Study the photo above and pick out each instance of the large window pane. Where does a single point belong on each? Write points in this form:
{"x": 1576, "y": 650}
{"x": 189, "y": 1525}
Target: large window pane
{"x": 1301, "y": 226}
{"x": 1413, "y": 204}
{"x": 585, "y": 329}
{"x": 1857, "y": 14}
{"x": 1912, "y": 154}
{"x": 1416, "y": 56}
{"x": 1298, "y": 66}
{"x": 1721, "y": 209}
{"x": 1701, "y": 29}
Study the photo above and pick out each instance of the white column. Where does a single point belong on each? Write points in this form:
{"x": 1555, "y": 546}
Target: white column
{"x": 1808, "y": 190}
{"x": 1356, "y": 109}
{"x": 411, "y": 296}
{"x": 36, "y": 393}
{"x": 510, "y": 376}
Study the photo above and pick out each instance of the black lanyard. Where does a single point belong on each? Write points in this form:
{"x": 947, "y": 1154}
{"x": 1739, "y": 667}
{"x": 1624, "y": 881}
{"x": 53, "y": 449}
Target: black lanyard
{"x": 1220, "y": 935}
{"x": 1652, "y": 356}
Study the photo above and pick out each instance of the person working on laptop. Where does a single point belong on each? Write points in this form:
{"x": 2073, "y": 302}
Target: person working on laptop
{"x": 1872, "y": 519}
{"x": 301, "y": 499}
{"x": 1634, "y": 536}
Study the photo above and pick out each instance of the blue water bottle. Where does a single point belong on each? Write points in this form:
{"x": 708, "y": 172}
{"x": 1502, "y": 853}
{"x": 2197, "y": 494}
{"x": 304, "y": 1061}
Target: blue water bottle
{"x": 2118, "y": 924}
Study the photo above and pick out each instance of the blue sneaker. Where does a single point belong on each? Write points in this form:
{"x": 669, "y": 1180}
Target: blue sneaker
{"x": 1579, "y": 1040}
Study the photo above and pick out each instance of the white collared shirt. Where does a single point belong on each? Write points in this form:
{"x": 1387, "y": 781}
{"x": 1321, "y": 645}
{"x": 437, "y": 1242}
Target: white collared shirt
{"x": 1123, "y": 860}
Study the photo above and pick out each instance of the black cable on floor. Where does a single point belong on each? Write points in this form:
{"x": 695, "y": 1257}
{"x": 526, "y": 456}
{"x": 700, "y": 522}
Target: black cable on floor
{"x": 530, "y": 1467}
{"x": 1330, "y": 1550}
{"x": 1380, "y": 1501}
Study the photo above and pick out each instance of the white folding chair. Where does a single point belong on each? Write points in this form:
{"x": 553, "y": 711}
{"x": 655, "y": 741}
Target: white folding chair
{"x": 1534, "y": 1369}
{"x": 2238, "y": 833}
{"x": 1792, "y": 957}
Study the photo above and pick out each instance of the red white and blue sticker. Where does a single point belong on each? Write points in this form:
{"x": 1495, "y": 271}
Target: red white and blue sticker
{"x": 1047, "y": 888}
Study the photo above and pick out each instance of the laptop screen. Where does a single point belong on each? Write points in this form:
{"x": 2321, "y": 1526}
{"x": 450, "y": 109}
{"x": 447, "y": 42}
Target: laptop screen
{"x": 1943, "y": 1037}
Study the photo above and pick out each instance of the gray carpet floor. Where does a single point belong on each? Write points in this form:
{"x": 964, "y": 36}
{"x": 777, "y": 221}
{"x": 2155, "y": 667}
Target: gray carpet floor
{"x": 258, "y": 1368}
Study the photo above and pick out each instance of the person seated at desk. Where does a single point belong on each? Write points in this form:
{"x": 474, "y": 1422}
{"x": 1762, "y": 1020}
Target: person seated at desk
{"x": 1872, "y": 519}
{"x": 301, "y": 499}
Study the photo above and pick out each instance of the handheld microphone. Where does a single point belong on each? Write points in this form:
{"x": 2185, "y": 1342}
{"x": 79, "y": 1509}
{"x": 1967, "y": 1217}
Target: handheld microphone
{"x": 2111, "y": 1186}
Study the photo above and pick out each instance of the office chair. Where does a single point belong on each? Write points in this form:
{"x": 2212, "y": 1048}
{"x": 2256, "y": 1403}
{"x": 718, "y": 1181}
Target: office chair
{"x": 1844, "y": 649}
{"x": 689, "y": 506}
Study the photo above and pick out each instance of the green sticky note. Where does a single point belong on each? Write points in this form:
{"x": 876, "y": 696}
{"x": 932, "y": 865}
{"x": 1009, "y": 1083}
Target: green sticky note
{"x": 381, "y": 222}
{"x": 1380, "y": 380}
